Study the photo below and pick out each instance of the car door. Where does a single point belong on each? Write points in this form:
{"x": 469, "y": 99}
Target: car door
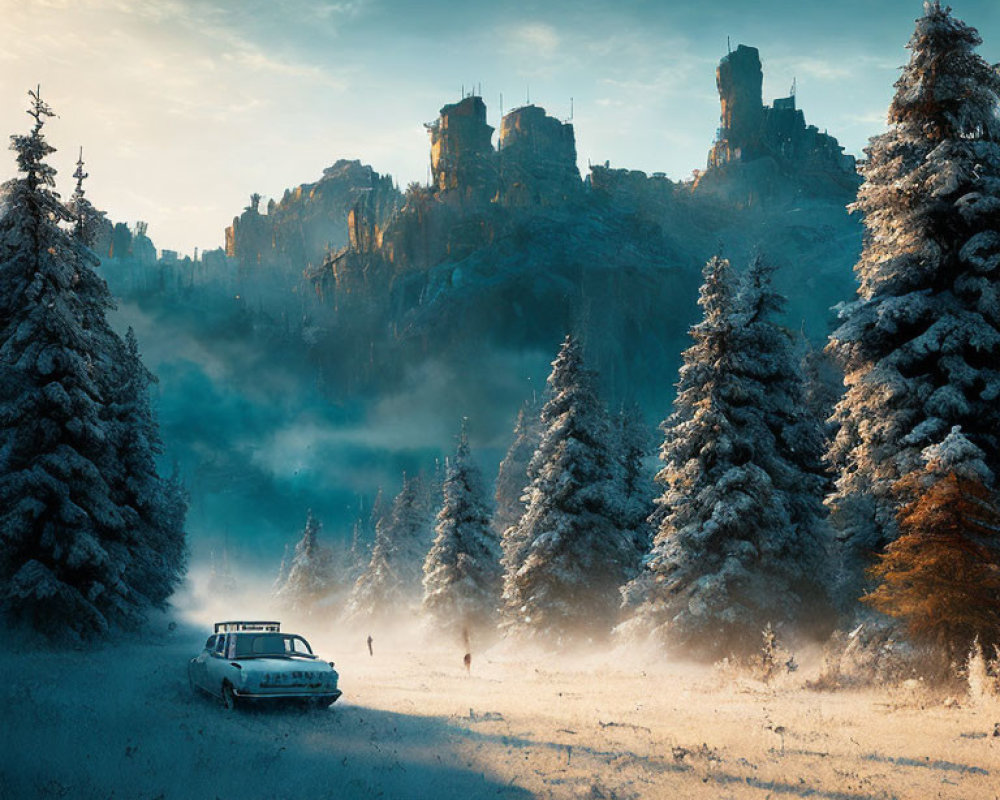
{"x": 198, "y": 664}
{"x": 215, "y": 664}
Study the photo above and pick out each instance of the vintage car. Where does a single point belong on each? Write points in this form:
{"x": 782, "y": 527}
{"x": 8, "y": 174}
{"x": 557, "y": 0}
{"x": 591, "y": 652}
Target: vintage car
{"x": 256, "y": 661}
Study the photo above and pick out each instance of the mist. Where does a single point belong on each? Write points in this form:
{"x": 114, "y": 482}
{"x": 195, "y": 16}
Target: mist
{"x": 259, "y": 441}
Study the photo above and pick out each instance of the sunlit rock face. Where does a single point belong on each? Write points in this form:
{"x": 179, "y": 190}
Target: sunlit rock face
{"x": 310, "y": 220}
{"x": 537, "y": 159}
{"x": 463, "y": 162}
{"x": 740, "y": 80}
{"x": 763, "y": 151}
{"x": 249, "y": 238}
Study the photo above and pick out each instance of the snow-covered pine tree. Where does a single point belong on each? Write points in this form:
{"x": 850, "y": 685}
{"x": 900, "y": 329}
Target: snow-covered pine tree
{"x": 378, "y": 591}
{"x": 770, "y": 358}
{"x": 283, "y": 567}
{"x": 154, "y": 508}
{"x": 412, "y": 524}
{"x": 88, "y": 222}
{"x": 824, "y": 383}
{"x": 462, "y": 574}
{"x": 920, "y": 345}
{"x": 634, "y": 444}
{"x": 358, "y": 553}
{"x": 311, "y": 577}
{"x": 512, "y": 478}
{"x": 380, "y": 509}
{"x": 435, "y": 486}
{"x": 576, "y": 551}
{"x": 221, "y": 577}
{"x": 65, "y": 551}
{"x": 363, "y": 536}
{"x": 392, "y": 580}
{"x": 741, "y": 540}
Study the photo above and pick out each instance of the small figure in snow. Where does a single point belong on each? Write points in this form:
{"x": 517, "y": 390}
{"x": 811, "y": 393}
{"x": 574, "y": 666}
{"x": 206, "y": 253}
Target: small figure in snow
{"x": 370, "y": 651}
{"x": 467, "y": 660}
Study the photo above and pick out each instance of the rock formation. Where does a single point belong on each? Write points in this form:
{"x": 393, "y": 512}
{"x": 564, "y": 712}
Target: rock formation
{"x": 249, "y": 238}
{"x": 463, "y": 165}
{"x": 466, "y": 206}
{"x": 507, "y": 244}
{"x": 537, "y": 159}
{"x": 310, "y": 220}
{"x": 759, "y": 147}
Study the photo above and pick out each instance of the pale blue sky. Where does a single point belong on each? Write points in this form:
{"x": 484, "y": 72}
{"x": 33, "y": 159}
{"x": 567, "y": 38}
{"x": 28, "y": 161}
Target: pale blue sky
{"x": 184, "y": 107}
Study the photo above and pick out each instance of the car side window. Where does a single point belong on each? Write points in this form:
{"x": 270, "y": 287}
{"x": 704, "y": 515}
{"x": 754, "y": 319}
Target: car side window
{"x": 210, "y": 643}
{"x": 298, "y": 645}
{"x": 220, "y": 644}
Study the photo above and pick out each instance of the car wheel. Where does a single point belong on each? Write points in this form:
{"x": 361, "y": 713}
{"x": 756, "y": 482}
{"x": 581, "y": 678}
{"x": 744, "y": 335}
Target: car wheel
{"x": 228, "y": 696}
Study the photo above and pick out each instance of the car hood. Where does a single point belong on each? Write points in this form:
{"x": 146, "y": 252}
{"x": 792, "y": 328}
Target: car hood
{"x": 283, "y": 665}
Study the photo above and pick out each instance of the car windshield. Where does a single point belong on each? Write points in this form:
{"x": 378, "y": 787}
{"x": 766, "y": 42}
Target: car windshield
{"x": 271, "y": 644}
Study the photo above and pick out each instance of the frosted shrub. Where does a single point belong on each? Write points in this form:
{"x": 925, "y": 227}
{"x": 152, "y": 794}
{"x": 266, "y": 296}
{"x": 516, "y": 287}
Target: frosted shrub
{"x": 872, "y": 655}
{"x": 773, "y": 660}
{"x": 982, "y": 675}
{"x": 769, "y": 664}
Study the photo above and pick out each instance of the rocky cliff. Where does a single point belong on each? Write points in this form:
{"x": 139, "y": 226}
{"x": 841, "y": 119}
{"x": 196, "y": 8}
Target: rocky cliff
{"x": 508, "y": 245}
{"x": 309, "y": 220}
{"x": 537, "y": 159}
{"x": 463, "y": 167}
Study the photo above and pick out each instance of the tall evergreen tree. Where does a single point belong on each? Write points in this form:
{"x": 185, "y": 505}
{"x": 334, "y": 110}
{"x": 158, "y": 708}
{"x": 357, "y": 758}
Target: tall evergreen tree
{"x": 462, "y": 569}
{"x": 65, "y": 554}
{"x": 770, "y": 360}
{"x": 634, "y": 444}
{"x": 363, "y": 537}
{"x": 392, "y": 580}
{"x": 741, "y": 540}
{"x": 88, "y": 222}
{"x": 512, "y": 480}
{"x": 311, "y": 574}
{"x": 380, "y": 509}
{"x": 920, "y": 345}
{"x": 434, "y": 486}
{"x": 358, "y": 553}
{"x": 575, "y": 552}
{"x": 154, "y": 508}
{"x": 283, "y": 568}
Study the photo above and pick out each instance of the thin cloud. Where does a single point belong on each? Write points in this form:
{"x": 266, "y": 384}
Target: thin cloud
{"x": 539, "y": 38}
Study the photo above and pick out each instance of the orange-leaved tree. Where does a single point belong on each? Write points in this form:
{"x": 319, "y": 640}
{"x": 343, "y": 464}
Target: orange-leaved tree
{"x": 942, "y": 574}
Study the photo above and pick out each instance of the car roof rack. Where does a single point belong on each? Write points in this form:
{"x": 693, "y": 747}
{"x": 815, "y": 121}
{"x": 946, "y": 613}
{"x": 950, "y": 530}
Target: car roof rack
{"x": 255, "y": 626}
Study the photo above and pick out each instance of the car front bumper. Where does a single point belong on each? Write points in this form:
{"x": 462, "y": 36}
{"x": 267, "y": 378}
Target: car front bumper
{"x": 329, "y": 697}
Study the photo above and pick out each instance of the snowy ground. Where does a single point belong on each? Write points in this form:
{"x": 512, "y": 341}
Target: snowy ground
{"x": 120, "y": 721}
